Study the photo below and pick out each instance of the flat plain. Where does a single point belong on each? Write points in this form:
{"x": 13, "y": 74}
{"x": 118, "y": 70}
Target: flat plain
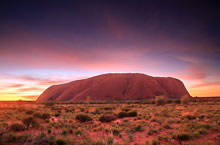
{"x": 196, "y": 122}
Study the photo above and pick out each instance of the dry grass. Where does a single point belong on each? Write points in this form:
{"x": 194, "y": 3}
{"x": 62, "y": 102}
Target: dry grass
{"x": 117, "y": 123}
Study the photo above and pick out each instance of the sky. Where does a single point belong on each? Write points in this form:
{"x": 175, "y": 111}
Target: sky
{"x": 43, "y": 43}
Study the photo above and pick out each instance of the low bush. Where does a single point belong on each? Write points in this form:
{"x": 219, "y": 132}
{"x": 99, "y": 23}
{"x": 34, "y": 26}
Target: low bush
{"x": 152, "y": 131}
{"x": 17, "y": 127}
{"x": 155, "y": 142}
{"x": 122, "y": 114}
{"x": 137, "y": 128}
{"x": 132, "y": 114}
{"x": 45, "y": 116}
{"x": 107, "y": 118}
{"x": 83, "y": 118}
{"x": 189, "y": 117}
{"x": 177, "y": 101}
{"x": 57, "y": 114}
{"x": 29, "y": 121}
{"x": 185, "y": 100}
{"x": 127, "y": 114}
{"x": 41, "y": 115}
{"x": 160, "y": 100}
{"x": 115, "y": 132}
{"x": 49, "y": 104}
{"x": 199, "y": 132}
{"x": 12, "y": 137}
{"x": 61, "y": 141}
{"x": 183, "y": 136}
{"x": 37, "y": 115}
{"x": 29, "y": 112}
{"x": 78, "y": 132}
{"x": 167, "y": 126}
{"x": 64, "y": 132}
{"x": 169, "y": 101}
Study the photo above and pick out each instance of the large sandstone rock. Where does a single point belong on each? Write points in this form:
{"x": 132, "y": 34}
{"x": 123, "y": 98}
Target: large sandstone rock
{"x": 127, "y": 86}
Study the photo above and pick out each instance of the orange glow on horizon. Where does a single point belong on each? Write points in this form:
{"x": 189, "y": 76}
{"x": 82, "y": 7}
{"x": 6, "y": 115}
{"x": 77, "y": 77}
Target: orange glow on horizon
{"x": 30, "y": 91}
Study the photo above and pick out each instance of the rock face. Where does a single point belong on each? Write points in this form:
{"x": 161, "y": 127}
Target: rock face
{"x": 121, "y": 86}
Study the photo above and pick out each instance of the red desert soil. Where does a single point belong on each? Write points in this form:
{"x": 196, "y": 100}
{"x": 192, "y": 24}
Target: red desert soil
{"x": 119, "y": 86}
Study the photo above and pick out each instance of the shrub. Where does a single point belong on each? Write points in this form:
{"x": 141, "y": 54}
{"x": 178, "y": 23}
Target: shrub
{"x": 57, "y": 114}
{"x": 166, "y": 126}
{"x": 152, "y": 131}
{"x": 17, "y": 127}
{"x": 183, "y": 136}
{"x": 45, "y": 116}
{"x": 116, "y": 132}
{"x": 122, "y": 114}
{"x": 169, "y": 101}
{"x": 61, "y": 142}
{"x": 160, "y": 100}
{"x": 70, "y": 131}
{"x": 177, "y": 101}
{"x": 49, "y": 131}
{"x": 206, "y": 126}
{"x": 152, "y": 101}
{"x": 41, "y": 138}
{"x": 147, "y": 142}
{"x": 107, "y": 118}
{"x": 155, "y": 142}
{"x": 108, "y": 108}
{"x": 83, "y": 118}
{"x": 189, "y": 117}
{"x": 29, "y": 121}
{"x": 64, "y": 132}
{"x": 37, "y": 115}
{"x": 29, "y": 112}
{"x": 78, "y": 132}
{"x": 200, "y": 131}
{"x": 23, "y": 137}
{"x": 42, "y": 116}
{"x": 185, "y": 100}
{"x": 132, "y": 114}
{"x": 127, "y": 114}
{"x": 110, "y": 140}
{"x": 137, "y": 128}
{"x": 49, "y": 104}
{"x": 12, "y": 137}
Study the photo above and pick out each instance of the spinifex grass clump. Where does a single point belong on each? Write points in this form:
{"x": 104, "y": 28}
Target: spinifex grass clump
{"x": 127, "y": 114}
{"x": 160, "y": 100}
{"x": 107, "y": 118}
{"x": 30, "y": 121}
{"x": 185, "y": 100}
{"x": 41, "y": 115}
{"x": 83, "y": 118}
{"x": 17, "y": 127}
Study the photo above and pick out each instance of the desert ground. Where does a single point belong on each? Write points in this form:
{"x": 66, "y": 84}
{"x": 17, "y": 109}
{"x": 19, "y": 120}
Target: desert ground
{"x": 144, "y": 122}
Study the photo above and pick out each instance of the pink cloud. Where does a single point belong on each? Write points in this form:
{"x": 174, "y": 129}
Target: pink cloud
{"x": 15, "y": 85}
{"x": 189, "y": 59}
{"x": 30, "y": 89}
{"x": 31, "y": 97}
{"x": 192, "y": 73}
{"x": 207, "y": 84}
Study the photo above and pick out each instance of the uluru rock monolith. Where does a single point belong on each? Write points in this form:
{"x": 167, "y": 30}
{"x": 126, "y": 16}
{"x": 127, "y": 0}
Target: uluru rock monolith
{"x": 115, "y": 86}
